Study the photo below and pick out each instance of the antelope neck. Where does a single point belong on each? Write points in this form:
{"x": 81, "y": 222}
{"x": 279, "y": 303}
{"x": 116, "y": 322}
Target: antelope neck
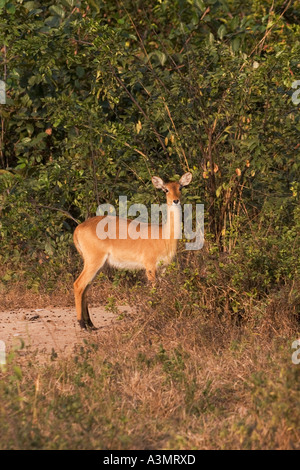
{"x": 173, "y": 223}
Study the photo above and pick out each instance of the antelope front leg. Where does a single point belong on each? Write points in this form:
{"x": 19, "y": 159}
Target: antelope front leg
{"x": 150, "y": 272}
{"x": 86, "y": 319}
{"x": 80, "y": 290}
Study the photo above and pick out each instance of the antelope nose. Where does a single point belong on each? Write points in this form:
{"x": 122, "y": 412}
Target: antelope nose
{"x": 176, "y": 201}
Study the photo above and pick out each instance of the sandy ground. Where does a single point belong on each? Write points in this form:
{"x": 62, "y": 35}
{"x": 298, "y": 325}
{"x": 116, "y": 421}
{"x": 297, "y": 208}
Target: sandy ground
{"x": 52, "y": 329}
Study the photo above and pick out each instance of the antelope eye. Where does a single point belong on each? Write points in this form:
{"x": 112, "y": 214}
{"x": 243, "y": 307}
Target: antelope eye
{"x": 180, "y": 188}
{"x": 166, "y": 190}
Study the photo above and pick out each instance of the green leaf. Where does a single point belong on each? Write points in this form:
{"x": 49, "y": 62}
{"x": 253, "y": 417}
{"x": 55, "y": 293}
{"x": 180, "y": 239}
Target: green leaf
{"x": 80, "y": 71}
{"x": 52, "y": 21}
{"x": 57, "y": 10}
{"x": 18, "y": 372}
{"x": 10, "y": 8}
{"x": 222, "y": 31}
{"x": 160, "y": 55}
{"x": 69, "y": 3}
{"x": 29, "y": 128}
{"x": 219, "y": 190}
{"x": 29, "y": 5}
{"x": 49, "y": 248}
{"x": 38, "y": 138}
{"x": 26, "y": 140}
{"x": 235, "y": 44}
{"x": 199, "y": 4}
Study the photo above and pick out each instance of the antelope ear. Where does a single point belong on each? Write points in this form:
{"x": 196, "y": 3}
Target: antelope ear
{"x": 185, "y": 179}
{"x": 158, "y": 182}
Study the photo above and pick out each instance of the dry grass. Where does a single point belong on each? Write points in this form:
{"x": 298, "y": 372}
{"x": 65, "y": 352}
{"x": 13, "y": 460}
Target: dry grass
{"x": 186, "y": 372}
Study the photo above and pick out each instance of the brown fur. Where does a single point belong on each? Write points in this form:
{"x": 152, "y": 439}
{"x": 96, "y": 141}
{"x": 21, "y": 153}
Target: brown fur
{"x": 125, "y": 253}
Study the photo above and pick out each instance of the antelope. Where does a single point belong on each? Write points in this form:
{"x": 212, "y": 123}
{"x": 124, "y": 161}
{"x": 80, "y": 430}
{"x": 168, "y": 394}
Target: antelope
{"x": 127, "y": 253}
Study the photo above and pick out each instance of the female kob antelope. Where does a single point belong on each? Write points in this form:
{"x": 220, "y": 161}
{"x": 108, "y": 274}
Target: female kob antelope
{"x": 127, "y": 253}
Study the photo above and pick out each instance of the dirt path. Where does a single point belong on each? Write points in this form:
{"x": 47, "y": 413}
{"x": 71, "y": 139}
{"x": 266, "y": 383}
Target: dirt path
{"x": 43, "y": 330}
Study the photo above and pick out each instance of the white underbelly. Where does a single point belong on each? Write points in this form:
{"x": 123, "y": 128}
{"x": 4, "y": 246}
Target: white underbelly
{"x": 124, "y": 264}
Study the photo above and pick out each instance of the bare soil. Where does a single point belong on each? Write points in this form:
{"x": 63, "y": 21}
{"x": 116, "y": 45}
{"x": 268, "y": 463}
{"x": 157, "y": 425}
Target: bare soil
{"x": 50, "y": 330}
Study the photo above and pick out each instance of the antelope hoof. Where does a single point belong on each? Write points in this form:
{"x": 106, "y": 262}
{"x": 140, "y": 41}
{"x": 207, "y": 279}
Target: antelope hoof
{"x": 87, "y": 325}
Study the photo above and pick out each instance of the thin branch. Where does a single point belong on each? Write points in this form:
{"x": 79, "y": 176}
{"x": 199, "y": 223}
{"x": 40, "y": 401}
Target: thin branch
{"x": 135, "y": 150}
{"x": 66, "y": 213}
{"x": 262, "y": 40}
{"x": 174, "y": 127}
{"x": 140, "y": 109}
